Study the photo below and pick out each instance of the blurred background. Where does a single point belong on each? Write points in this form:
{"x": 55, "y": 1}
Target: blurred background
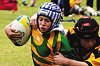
{"x": 11, "y": 55}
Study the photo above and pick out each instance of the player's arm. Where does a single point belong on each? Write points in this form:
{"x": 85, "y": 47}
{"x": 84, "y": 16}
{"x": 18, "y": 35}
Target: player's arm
{"x": 33, "y": 21}
{"x": 60, "y": 59}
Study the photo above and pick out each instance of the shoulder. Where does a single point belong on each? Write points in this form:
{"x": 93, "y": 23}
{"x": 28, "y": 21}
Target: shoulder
{"x": 94, "y": 57}
{"x": 71, "y": 35}
{"x": 71, "y": 32}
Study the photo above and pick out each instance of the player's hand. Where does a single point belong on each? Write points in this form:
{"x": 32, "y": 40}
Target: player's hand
{"x": 12, "y": 34}
{"x": 33, "y": 21}
{"x": 58, "y": 58}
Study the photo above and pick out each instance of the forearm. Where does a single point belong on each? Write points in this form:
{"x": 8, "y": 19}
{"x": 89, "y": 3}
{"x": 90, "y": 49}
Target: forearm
{"x": 71, "y": 62}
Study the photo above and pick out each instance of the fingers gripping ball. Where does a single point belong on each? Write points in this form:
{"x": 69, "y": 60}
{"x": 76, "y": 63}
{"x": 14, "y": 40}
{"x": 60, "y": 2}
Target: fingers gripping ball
{"x": 22, "y": 25}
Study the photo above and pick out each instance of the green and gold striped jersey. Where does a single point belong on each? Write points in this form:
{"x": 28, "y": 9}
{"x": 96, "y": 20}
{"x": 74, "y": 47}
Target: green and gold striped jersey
{"x": 44, "y": 46}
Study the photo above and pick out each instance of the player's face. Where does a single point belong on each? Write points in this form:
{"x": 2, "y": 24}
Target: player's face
{"x": 88, "y": 43}
{"x": 44, "y": 23}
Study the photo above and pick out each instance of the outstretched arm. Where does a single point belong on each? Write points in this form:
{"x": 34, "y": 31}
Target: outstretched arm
{"x": 60, "y": 59}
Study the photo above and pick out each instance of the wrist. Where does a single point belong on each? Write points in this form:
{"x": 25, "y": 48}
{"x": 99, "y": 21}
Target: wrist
{"x": 66, "y": 62}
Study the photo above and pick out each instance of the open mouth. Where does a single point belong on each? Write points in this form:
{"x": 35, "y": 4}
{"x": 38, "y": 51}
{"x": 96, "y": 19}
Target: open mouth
{"x": 42, "y": 29}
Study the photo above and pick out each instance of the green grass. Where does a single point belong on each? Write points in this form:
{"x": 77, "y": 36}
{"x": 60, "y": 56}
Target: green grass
{"x": 11, "y": 55}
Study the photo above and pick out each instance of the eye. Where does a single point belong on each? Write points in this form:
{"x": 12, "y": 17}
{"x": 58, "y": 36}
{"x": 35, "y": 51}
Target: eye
{"x": 47, "y": 20}
{"x": 91, "y": 39}
{"x": 41, "y": 19}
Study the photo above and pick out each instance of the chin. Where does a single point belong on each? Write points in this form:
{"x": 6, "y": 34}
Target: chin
{"x": 42, "y": 31}
{"x": 88, "y": 48}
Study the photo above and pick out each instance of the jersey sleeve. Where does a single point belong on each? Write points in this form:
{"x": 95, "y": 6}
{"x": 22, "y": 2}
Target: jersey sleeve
{"x": 94, "y": 58}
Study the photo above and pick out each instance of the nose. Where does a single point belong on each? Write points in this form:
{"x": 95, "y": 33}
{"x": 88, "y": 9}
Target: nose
{"x": 91, "y": 41}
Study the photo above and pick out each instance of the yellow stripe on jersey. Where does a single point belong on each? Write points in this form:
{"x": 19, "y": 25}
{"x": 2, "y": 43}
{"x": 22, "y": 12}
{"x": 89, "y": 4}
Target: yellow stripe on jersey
{"x": 38, "y": 39}
{"x": 93, "y": 60}
{"x": 49, "y": 58}
{"x": 38, "y": 62}
{"x": 50, "y": 41}
{"x": 58, "y": 43}
{"x": 43, "y": 64}
{"x": 70, "y": 29}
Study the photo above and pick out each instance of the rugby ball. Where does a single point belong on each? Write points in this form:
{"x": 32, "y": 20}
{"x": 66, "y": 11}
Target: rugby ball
{"x": 22, "y": 25}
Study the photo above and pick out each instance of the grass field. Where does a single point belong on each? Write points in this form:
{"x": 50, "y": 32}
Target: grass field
{"x": 11, "y": 55}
